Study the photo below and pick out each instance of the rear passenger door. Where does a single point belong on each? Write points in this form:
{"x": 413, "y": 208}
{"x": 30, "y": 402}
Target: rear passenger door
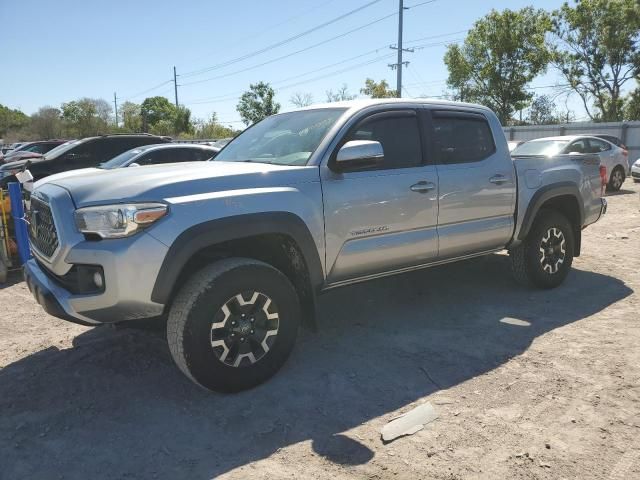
{"x": 477, "y": 188}
{"x": 382, "y": 218}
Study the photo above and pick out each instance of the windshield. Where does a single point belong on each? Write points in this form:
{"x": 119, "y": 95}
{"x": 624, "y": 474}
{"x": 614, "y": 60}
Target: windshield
{"x": 53, "y": 153}
{"x": 541, "y": 147}
{"x": 121, "y": 159}
{"x": 286, "y": 139}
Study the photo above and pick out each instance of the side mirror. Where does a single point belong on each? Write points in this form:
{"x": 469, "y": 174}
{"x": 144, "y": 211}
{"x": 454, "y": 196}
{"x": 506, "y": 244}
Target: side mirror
{"x": 358, "y": 154}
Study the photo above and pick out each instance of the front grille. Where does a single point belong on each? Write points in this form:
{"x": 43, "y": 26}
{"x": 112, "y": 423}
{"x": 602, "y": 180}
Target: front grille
{"x": 42, "y": 230}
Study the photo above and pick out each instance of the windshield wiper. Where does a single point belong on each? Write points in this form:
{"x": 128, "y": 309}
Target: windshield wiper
{"x": 256, "y": 161}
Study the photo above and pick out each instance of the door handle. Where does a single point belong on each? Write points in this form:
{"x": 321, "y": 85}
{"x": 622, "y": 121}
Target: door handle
{"x": 498, "y": 179}
{"x": 423, "y": 187}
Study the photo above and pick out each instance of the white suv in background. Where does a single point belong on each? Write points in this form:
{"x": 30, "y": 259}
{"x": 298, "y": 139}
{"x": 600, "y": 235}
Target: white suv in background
{"x": 635, "y": 171}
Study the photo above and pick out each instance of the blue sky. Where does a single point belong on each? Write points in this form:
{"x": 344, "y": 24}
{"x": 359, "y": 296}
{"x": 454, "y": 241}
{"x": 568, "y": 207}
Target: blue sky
{"x": 55, "y": 52}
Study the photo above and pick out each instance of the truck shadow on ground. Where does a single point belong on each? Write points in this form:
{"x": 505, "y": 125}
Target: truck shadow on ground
{"x": 115, "y": 406}
{"x": 622, "y": 191}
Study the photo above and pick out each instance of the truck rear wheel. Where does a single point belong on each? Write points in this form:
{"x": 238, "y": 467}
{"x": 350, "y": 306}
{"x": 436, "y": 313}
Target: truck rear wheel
{"x": 233, "y": 324}
{"x": 544, "y": 258}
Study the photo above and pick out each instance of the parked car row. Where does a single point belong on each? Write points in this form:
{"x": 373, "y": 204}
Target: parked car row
{"x": 30, "y": 150}
{"x": 105, "y": 152}
{"x": 612, "y": 153}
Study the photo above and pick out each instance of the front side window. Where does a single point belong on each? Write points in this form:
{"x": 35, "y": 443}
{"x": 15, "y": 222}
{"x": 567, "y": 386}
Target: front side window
{"x": 399, "y": 137}
{"x": 462, "y": 139}
{"x": 285, "y": 139}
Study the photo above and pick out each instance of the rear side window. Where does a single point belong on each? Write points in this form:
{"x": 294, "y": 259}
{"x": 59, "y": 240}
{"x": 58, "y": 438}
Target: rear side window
{"x": 461, "y": 139}
{"x": 170, "y": 155}
{"x": 399, "y": 137}
{"x": 579, "y": 146}
{"x": 597, "y": 146}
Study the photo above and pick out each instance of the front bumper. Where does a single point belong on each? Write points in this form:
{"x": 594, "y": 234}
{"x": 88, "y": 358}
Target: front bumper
{"x": 129, "y": 266}
{"x": 40, "y": 287}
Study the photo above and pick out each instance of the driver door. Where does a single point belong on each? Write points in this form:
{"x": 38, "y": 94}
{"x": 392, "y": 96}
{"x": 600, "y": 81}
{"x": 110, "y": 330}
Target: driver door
{"x": 382, "y": 218}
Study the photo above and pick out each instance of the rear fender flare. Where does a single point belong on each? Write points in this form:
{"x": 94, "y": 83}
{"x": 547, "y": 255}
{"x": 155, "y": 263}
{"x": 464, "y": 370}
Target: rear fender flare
{"x": 543, "y": 195}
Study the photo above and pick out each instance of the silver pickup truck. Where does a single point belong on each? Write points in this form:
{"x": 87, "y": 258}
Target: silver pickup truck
{"x": 233, "y": 253}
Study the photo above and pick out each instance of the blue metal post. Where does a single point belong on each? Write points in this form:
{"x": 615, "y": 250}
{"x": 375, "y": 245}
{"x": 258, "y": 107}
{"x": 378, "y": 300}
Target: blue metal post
{"x": 17, "y": 211}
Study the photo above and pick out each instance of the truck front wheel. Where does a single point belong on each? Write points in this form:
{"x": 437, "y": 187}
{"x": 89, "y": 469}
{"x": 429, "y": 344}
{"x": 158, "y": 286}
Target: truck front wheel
{"x": 544, "y": 258}
{"x": 233, "y": 324}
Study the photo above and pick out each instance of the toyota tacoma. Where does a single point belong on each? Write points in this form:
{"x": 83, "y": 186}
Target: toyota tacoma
{"x": 233, "y": 253}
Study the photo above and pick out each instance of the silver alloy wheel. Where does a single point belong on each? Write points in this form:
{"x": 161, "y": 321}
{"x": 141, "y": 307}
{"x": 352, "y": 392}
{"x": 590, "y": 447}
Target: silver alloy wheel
{"x": 552, "y": 250}
{"x": 616, "y": 179}
{"x": 244, "y": 329}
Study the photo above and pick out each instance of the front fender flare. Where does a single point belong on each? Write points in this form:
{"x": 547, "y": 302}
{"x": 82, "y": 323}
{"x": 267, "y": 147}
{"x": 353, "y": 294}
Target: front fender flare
{"x": 213, "y": 232}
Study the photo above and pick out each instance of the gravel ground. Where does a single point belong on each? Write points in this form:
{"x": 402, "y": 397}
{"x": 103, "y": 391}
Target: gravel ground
{"x": 527, "y": 384}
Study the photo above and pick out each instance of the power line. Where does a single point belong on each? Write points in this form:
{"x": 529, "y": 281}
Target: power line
{"x": 431, "y": 37}
{"x": 301, "y": 74}
{"x": 234, "y": 95}
{"x": 285, "y": 87}
{"x": 147, "y": 90}
{"x": 305, "y": 13}
{"x": 198, "y": 72}
{"x": 368, "y": 62}
{"x": 281, "y": 42}
{"x": 282, "y": 57}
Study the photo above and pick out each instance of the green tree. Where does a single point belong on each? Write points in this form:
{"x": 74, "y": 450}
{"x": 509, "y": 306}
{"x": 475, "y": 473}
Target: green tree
{"x": 543, "y": 111}
{"x": 377, "y": 90}
{"x": 597, "y": 51}
{"x": 47, "y": 123}
{"x": 459, "y": 80}
{"x": 257, "y": 103}
{"x": 162, "y": 127}
{"x": 212, "y": 128}
{"x": 339, "y": 96}
{"x": 86, "y": 117}
{"x": 501, "y": 54}
{"x": 131, "y": 117}
{"x": 182, "y": 120}
{"x": 156, "y": 109}
{"x": 11, "y": 119}
{"x": 632, "y": 106}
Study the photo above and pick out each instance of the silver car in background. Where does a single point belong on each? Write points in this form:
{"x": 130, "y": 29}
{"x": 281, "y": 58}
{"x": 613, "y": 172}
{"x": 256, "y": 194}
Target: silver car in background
{"x": 614, "y": 158}
{"x": 161, "y": 153}
{"x": 635, "y": 171}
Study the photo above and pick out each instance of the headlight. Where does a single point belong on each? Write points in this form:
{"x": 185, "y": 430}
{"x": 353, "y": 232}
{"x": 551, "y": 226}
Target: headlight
{"x": 116, "y": 221}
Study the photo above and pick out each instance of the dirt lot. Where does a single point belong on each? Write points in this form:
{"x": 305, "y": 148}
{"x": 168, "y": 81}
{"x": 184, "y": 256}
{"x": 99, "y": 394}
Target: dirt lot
{"x": 528, "y": 384}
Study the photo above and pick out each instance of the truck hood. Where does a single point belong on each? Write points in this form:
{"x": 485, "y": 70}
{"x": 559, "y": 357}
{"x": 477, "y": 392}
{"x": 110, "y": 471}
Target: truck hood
{"x": 159, "y": 182}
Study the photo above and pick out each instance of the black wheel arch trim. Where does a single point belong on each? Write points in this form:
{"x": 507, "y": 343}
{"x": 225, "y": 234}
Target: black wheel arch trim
{"x": 213, "y": 232}
{"x": 543, "y": 195}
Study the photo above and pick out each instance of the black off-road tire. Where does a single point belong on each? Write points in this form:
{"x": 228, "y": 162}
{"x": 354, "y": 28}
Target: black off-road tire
{"x": 616, "y": 179}
{"x": 526, "y": 259}
{"x": 198, "y": 306}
